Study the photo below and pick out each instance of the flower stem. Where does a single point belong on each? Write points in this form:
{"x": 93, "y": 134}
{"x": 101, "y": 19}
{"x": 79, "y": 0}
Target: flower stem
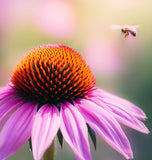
{"x": 50, "y": 153}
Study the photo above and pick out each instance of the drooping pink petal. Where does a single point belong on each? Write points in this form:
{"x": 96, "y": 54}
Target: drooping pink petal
{"x": 8, "y": 108}
{"x": 6, "y": 99}
{"x": 120, "y": 103}
{"x": 127, "y": 119}
{"x": 8, "y": 105}
{"x": 74, "y": 130}
{"x": 121, "y": 115}
{"x": 3, "y": 89}
{"x": 124, "y": 111}
{"x": 106, "y": 126}
{"x": 6, "y": 91}
{"x": 45, "y": 127}
{"x": 17, "y": 130}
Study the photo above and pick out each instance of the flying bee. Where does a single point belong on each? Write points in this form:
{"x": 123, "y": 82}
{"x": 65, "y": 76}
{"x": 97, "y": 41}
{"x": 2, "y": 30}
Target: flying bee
{"x": 126, "y": 30}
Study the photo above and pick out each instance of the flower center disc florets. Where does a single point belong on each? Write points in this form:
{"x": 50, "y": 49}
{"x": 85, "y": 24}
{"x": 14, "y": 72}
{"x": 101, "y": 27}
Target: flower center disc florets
{"x": 52, "y": 74}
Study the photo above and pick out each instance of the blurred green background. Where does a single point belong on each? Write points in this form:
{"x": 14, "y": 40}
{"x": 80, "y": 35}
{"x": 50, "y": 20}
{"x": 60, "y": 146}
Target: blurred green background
{"x": 121, "y": 66}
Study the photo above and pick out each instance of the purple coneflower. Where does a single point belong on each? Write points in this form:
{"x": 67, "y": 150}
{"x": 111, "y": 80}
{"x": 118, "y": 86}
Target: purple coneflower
{"x": 51, "y": 91}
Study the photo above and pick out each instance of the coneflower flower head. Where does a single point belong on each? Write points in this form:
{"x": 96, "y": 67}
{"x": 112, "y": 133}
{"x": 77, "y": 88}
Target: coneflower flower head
{"x": 52, "y": 74}
{"x": 52, "y": 92}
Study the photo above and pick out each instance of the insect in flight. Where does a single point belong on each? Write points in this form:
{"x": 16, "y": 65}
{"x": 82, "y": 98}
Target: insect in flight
{"x": 126, "y": 30}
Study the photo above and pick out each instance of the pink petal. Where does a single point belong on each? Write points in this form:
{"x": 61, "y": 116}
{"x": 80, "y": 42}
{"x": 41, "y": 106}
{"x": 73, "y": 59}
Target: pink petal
{"x": 6, "y": 91}
{"x": 6, "y": 98}
{"x": 6, "y": 87}
{"x": 121, "y": 103}
{"x": 106, "y": 126}
{"x": 3, "y": 89}
{"x": 121, "y": 115}
{"x": 74, "y": 130}
{"x": 8, "y": 108}
{"x": 120, "y": 112}
{"x": 8, "y": 105}
{"x": 45, "y": 127}
{"x": 17, "y": 130}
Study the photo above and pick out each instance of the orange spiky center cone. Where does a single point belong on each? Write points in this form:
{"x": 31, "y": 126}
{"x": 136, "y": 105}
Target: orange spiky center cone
{"x": 52, "y": 74}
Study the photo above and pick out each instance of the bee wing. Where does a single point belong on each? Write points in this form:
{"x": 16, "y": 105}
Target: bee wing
{"x": 116, "y": 27}
{"x": 131, "y": 26}
{"x": 135, "y": 26}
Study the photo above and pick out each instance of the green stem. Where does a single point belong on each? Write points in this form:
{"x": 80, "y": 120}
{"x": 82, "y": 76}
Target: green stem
{"x": 50, "y": 153}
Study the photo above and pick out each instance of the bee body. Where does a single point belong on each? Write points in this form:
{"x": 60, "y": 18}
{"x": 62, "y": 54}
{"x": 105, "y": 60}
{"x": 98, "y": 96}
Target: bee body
{"x": 126, "y": 30}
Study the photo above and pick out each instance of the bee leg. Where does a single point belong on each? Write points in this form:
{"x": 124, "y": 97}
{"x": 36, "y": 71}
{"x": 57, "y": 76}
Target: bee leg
{"x": 126, "y": 34}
